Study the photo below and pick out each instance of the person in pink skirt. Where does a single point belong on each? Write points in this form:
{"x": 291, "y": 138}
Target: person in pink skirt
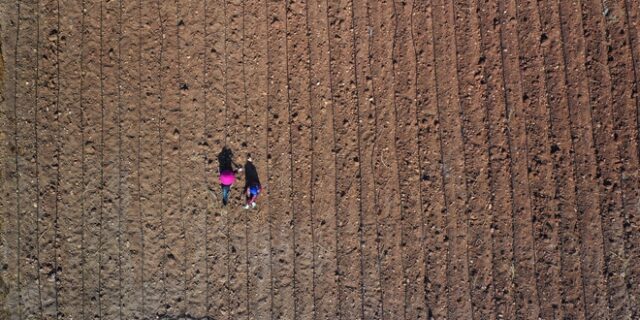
{"x": 227, "y": 170}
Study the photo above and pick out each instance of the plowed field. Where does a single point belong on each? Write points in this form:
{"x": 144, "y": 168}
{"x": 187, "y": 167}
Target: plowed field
{"x": 442, "y": 159}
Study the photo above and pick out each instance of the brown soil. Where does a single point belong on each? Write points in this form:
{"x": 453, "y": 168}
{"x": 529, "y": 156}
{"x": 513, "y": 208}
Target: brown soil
{"x": 421, "y": 160}
{"x": 4, "y": 289}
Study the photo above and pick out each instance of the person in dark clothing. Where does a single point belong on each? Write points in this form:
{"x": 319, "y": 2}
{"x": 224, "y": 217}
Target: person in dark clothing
{"x": 252, "y": 184}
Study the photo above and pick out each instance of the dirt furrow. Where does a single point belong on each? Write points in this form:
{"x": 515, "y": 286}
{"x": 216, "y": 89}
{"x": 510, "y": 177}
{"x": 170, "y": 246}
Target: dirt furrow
{"x": 632, "y": 14}
{"x": 236, "y": 140}
{"x": 176, "y": 220}
{"x": 120, "y": 180}
{"x": 180, "y": 245}
{"x": 434, "y": 206}
{"x": 109, "y": 157}
{"x": 138, "y": 198}
{"x": 24, "y": 214}
{"x": 562, "y": 151}
{"x": 3, "y": 154}
{"x": 92, "y": 124}
{"x": 255, "y": 53}
{"x": 131, "y": 242}
{"x": 472, "y": 91}
{"x": 191, "y": 37}
{"x": 633, "y": 24}
{"x": 255, "y": 44}
{"x": 70, "y": 162}
{"x": 370, "y": 295}
{"x": 301, "y": 147}
{"x": 170, "y": 126}
{"x": 625, "y": 107}
{"x": 245, "y": 126}
{"x": 150, "y": 157}
{"x": 453, "y": 166}
{"x": 608, "y": 155}
{"x": 526, "y": 293}
{"x": 120, "y": 233}
{"x": 539, "y": 163}
{"x": 404, "y": 69}
{"x": 279, "y": 164}
{"x": 47, "y": 155}
{"x": 587, "y": 195}
{"x": 236, "y": 118}
{"x": 632, "y": 9}
{"x": 324, "y": 170}
{"x": 8, "y": 156}
{"x": 499, "y": 168}
{"x": 217, "y": 245}
{"x": 385, "y": 163}
{"x": 345, "y": 120}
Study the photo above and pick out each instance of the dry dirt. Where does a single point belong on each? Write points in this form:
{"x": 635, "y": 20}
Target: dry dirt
{"x": 462, "y": 159}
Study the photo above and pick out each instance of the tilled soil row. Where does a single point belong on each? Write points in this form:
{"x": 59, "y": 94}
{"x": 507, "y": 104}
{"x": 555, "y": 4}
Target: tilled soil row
{"x": 456, "y": 159}
{"x": 610, "y": 152}
{"x": 562, "y": 150}
{"x": 585, "y": 165}
{"x": 476, "y": 155}
{"x": 432, "y": 182}
{"x": 323, "y": 165}
{"x": 500, "y": 164}
{"x": 299, "y": 97}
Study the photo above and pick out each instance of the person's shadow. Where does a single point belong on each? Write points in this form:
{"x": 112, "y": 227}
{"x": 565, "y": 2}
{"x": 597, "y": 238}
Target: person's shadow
{"x": 251, "y": 177}
{"x": 225, "y": 160}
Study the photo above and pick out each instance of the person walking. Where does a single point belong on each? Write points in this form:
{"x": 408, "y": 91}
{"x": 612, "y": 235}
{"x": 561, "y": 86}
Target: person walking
{"x": 227, "y": 170}
{"x": 252, "y": 184}
{"x": 227, "y": 178}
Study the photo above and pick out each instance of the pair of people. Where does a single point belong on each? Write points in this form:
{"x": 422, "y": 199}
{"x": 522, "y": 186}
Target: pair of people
{"x": 228, "y": 170}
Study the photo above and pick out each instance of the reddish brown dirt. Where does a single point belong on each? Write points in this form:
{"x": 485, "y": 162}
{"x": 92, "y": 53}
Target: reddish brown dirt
{"x": 467, "y": 159}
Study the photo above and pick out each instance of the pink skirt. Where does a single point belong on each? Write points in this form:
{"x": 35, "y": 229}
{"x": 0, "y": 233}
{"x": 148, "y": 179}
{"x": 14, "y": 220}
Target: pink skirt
{"x": 227, "y": 178}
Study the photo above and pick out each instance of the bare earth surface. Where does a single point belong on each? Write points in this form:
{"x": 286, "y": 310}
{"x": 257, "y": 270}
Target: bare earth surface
{"x": 444, "y": 159}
